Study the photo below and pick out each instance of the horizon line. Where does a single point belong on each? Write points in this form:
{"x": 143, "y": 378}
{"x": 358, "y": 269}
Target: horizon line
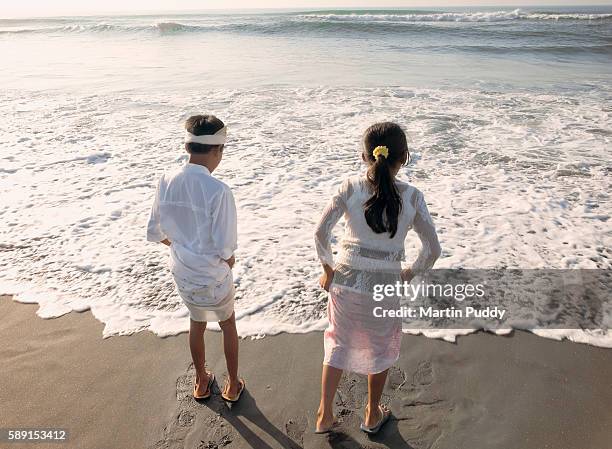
{"x": 154, "y": 12}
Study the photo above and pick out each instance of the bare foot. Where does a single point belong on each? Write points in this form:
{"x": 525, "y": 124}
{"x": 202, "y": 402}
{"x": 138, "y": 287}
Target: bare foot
{"x": 201, "y": 384}
{"x": 324, "y": 422}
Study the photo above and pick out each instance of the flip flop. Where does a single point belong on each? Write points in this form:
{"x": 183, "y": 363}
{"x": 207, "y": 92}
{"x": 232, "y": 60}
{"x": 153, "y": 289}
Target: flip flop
{"x": 327, "y": 429}
{"x": 386, "y": 413}
{"x": 211, "y": 380}
{"x": 237, "y": 397}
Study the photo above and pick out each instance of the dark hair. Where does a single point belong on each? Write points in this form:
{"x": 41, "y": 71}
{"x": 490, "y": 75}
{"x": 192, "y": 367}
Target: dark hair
{"x": 384, "y": 206}
{"x": 202, "y": 125}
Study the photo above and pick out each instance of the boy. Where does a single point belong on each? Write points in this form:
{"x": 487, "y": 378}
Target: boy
{"x": 195, "y": 215}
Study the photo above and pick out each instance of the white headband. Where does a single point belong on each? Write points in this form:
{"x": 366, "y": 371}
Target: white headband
{"x": 217, "y": 138}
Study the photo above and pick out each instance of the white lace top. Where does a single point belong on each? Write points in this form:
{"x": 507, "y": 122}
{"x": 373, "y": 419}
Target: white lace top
{"x": 363, "y": 249}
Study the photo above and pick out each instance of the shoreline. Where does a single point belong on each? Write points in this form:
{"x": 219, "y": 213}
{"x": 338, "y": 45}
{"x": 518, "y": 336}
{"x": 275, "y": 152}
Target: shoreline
{"x": 482, "y": 391}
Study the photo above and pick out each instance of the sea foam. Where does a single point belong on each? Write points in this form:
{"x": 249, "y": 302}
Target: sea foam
{"x": 313, "y": 21}
{"x": 507, "y": 177}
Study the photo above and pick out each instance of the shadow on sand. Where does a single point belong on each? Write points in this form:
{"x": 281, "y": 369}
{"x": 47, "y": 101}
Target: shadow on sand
{"x": 389, "y": 437}
{"x": 248, "y": 409}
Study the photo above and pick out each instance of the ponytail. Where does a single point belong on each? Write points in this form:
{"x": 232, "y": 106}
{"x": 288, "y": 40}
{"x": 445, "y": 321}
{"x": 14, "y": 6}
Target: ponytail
{"x": 384, "y": 146}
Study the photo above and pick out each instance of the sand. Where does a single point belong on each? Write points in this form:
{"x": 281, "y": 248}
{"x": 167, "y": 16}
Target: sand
{"x": 485, "y": 391}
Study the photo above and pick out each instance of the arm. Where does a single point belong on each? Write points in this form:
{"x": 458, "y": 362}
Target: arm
{"x": 225, "y": 226}
{"x": 430, "y": 247}
{"x": 323, "y": 233}
{"x": 231, "y": 261}
{"x": 154, "y": 231}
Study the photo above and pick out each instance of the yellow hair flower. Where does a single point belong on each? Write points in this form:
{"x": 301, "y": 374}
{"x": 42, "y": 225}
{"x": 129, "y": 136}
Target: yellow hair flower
{"x": 380, "y": 151}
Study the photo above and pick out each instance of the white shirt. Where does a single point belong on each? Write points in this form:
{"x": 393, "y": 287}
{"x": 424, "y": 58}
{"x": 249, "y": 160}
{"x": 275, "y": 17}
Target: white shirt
{"x": 362, "y": 248}
{"x": 197, "y": 213}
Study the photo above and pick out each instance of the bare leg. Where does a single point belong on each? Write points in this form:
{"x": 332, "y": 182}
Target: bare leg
{"x": 330, "y": 378}
{"x": 198, "y": 354}
{"x": 230, "y": 347}
{"x": 376, "y": 384}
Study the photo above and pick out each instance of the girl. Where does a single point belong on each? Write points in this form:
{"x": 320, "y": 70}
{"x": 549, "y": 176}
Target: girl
{"x": 379, "y": 210}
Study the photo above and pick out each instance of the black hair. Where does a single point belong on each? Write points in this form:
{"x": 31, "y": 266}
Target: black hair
{"x": 202, "y": 125}
{"x": 383, "y": 208}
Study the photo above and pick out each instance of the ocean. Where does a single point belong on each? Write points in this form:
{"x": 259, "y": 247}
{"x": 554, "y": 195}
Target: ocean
{"x": 508, "y": 113}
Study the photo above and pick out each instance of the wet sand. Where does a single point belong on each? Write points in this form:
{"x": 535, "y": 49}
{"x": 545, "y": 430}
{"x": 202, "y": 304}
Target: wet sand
{"x": 486, "y": 391}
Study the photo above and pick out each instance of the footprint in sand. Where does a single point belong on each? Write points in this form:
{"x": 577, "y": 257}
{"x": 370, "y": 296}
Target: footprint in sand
{"x": 351, "y": 391}
{"x": 397, "y": 380}
{"x": 295, "y": 429}
{"x": 423, "y": 375}
{"x": 225, "y": 441}
{"x": 186, "y": 418}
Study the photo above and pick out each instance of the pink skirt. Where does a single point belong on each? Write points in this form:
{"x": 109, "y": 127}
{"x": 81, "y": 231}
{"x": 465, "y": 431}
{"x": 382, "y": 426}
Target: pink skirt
{"x": 355, "y": 339}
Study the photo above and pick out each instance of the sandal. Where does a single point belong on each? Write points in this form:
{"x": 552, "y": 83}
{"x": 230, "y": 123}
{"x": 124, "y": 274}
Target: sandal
{"x": 372, "y": 430}
{"x": 237, "y": 397}
{"x": 211, "y": 380}
{"x": 327, "y": 429}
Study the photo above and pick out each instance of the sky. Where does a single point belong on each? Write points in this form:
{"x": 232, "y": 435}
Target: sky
{"x": 39, "y": 8}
